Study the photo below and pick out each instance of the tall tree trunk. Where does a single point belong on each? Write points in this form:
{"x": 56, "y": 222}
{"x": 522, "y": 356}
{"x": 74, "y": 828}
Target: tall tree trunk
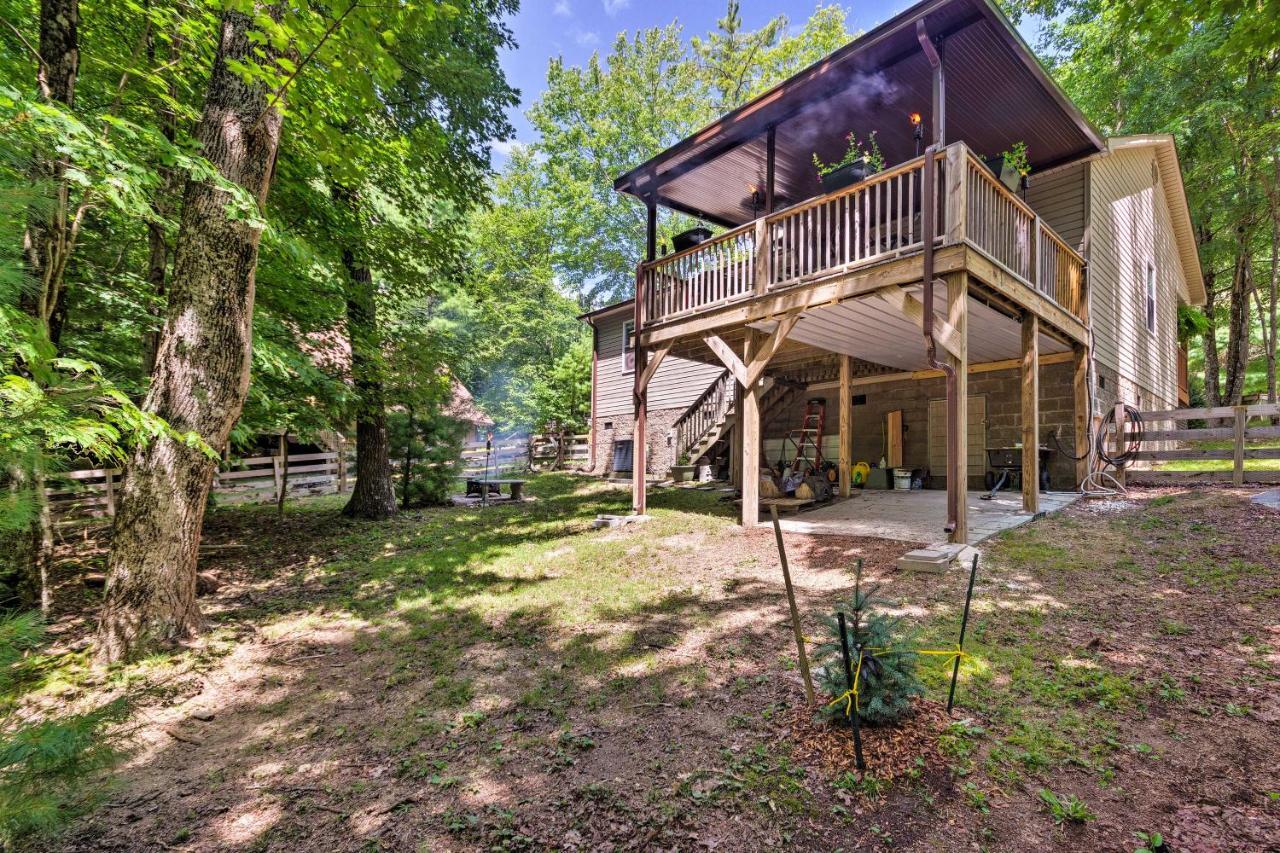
{"x": 374, "y": 496}
{"x": 1209, "y": 340}
{"x": 202, "y": 364}
{"x": 1238, "y": 328}
{"x": 45, "y": 244}
{"x": 47, "y": 241}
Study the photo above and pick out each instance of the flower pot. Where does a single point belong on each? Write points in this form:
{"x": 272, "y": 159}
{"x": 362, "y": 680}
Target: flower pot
{"x": 689, "y": 239}
{"x": 856, "y": 171}
{"x": 1008, "y": 175}
{"x": 683, "y": 473}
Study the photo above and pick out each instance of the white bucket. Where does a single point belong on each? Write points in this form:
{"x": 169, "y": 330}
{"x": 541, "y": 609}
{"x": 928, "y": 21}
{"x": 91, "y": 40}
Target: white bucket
{"x": 902, "y": 479}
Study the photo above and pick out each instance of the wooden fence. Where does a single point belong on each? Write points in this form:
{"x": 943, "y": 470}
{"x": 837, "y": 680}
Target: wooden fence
{"x": 76, "y": 495}
{"x": 1238, "y": 425}
{"x": 89, "y": 494}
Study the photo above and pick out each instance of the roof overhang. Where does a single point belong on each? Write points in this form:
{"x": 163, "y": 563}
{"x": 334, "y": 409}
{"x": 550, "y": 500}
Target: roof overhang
{"x": 593, "y": 317}
{"x": 997, "y": 93}
{"x": 1175, "y": 195}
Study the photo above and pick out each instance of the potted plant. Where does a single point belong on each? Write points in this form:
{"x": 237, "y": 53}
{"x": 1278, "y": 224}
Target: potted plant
{"x": 1011, "y": 166}
{"x": 858, "y": 162}
{"x": 683, "y": 471}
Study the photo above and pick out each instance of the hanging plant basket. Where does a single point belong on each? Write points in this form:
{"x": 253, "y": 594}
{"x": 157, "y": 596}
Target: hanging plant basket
{"x": 692, "y": 237}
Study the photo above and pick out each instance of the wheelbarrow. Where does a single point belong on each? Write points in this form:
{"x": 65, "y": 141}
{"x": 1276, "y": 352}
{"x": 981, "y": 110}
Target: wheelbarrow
{"x": 1005, "y": 465}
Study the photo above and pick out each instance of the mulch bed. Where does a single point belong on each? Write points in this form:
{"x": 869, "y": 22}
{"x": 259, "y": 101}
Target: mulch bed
{"x": 890, "y": 752}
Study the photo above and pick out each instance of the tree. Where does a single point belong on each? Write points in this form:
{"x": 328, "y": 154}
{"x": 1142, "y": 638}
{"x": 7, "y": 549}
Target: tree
{"x": 202, "y": 362}
{"x": 1206, "y": 72}
{"x": 593, "y": 127}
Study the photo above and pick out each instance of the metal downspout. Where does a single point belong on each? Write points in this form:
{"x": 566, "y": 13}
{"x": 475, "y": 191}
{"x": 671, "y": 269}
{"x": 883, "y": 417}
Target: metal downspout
{"x": 929, "y": 229}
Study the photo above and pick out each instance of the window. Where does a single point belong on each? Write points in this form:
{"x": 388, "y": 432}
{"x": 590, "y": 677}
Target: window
{"x": 1151, "y": 298}
{"x": 628, "y": 347}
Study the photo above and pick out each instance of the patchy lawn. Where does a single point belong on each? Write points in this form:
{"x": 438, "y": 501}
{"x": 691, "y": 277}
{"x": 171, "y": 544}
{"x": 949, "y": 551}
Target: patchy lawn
{"x": 511, "y": 678}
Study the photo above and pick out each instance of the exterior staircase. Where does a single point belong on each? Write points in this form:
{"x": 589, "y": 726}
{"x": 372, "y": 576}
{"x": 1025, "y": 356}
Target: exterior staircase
{"x": 709, "y": 420}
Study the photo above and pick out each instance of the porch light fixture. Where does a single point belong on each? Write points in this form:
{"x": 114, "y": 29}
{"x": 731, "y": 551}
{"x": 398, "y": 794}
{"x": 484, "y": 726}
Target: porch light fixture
{"x": 917, "y": 130}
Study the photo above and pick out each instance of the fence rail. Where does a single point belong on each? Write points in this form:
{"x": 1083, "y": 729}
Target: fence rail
{"x": 1245, "y": 424}
{"x": 89, "y": 494}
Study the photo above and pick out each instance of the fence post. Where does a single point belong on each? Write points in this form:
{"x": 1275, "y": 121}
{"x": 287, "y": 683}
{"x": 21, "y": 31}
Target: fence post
{"x": 111, "y": 493}
{"x": 1237, "y": 473}
{"x": 275, "y": 473}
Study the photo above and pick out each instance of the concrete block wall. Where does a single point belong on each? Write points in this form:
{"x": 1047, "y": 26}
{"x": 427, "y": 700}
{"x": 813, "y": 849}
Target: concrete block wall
{"x": 1003, "y": 392}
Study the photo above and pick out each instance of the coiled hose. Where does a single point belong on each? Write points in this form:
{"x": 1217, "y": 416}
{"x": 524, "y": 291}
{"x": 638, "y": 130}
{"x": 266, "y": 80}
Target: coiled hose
{"x": 1099, "y": 482}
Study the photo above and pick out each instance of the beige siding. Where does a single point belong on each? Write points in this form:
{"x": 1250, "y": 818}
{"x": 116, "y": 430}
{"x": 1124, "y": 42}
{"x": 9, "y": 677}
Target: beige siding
{"x": 1130, "y": 227}
{"x": 676, "y": 385}
{"x": 1061, "y": 200}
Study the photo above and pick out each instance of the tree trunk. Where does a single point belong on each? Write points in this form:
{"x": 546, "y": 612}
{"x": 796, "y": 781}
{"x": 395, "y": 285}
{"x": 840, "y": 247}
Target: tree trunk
{"x": 1212, "y": 366}
{"x": 157, "y": 240}
{"x": 202, "y": 364}
{"x": 374, "y": 496}
{"x": 47, "y": 239}
{"x": 1238, "y": 328}
{"x": 407, "y": 483}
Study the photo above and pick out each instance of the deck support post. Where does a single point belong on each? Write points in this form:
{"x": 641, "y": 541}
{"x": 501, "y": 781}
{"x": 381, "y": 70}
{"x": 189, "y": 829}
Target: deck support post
{"x": 1030, "y": 413}
{"x": 750, "y": 422}
{"x": 640, "y": 395}
{"x": 958, "y": 432}
{"x": 846, "y": 426}
{"x": 1083, "y": 417}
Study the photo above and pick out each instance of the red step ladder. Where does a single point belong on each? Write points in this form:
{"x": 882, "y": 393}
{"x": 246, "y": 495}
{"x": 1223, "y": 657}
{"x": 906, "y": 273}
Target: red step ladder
{"x": 808, "y": 438}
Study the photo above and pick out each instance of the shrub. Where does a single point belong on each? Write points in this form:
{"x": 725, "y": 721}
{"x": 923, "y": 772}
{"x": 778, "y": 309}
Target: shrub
{"x": 887, "y": 680}
{"x": 425, "y": 450}
{"x": 47, "y": 767}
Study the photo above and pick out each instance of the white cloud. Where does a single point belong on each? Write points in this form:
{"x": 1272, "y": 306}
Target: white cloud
{"x": 503, "y": 147}
{"x": 562, "y": 9}
{"x": 586, "y": 39}
{"x": 613, "y": 7}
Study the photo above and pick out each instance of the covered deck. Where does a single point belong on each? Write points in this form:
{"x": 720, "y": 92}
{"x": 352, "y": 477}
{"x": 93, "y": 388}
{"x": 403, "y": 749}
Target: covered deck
{"x": 930, "y": 268}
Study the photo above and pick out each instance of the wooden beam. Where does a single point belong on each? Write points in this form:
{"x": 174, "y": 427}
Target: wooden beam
{"x": 921, "y": 375}
{"x": 846, "y": 426}
{"x": 1238, "y": 425}
{"x": 1083, "y": 417}
{"x": 958, "y": 434}
{"x": 750, "y": 444}
{"x": 729, "y": 358}
{"x": 651, "y": 366}
{"x": 640, "y": 398}
{"x": 944, "y": 332}
{"x": 1017, "y": 291}
{"x": 1031, "y": 413}
{"x": 769, "y": 348}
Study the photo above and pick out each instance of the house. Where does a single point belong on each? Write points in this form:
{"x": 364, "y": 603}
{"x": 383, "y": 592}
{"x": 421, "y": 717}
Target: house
{"x": 935, "y": 308}
{"x": 463, "y": 409}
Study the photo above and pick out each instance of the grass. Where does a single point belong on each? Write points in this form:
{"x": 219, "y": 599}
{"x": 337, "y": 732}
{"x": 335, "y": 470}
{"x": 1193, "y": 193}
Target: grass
{"x": 1223, "y": 464}
{"x": 519, "y": 642}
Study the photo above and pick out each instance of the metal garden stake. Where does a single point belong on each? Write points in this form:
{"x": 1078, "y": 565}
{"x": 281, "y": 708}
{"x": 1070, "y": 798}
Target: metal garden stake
{"x": 854, "y": 721}
{"x": 964, "y": 623}
{"x": 791, "y": 602}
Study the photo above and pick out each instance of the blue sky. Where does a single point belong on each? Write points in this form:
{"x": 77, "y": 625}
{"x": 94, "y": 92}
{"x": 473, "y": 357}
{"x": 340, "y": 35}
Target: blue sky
{"x": 573, "y": 29}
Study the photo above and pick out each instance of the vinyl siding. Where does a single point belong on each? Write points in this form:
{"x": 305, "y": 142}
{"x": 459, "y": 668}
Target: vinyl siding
{"x": 1061, "y": 200}
{"x": 676, "y": 385}
{"x": 1131, "y": 227}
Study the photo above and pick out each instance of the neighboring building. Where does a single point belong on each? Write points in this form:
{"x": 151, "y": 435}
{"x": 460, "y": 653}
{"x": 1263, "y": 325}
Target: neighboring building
{"x": 1050, "y": 304}
{"x": 462, "y": 408}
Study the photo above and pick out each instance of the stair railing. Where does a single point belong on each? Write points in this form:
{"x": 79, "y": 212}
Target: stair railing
{"x": 703, "y": 414}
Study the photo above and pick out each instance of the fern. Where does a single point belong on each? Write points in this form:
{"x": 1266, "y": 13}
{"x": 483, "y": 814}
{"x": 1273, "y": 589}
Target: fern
{"x": 49, "y": 769}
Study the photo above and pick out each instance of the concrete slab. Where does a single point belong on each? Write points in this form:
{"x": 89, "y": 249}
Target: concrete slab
{"x": 1269, "y": 499}
{"x": 918, "y": 516}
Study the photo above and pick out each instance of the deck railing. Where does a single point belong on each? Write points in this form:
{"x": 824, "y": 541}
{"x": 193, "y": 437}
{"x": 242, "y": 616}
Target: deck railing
{"x": 868, "y": 223}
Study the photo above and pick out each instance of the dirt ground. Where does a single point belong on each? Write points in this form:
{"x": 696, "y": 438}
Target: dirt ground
{"x": 510, "y": 678}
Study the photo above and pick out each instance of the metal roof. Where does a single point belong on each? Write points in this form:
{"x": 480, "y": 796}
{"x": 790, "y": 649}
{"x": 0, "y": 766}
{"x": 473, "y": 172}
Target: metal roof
{"x": 997, "y": 94}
